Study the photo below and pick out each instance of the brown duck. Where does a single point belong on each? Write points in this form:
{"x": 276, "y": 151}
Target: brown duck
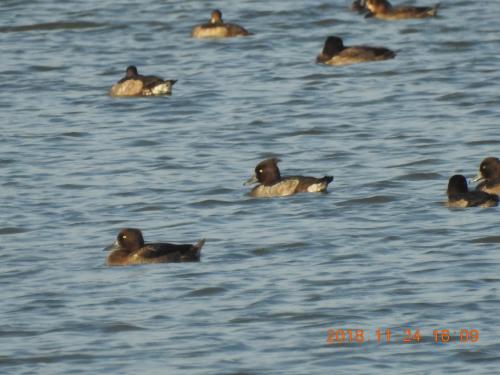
{"x": 217, "y": 28}
{"x": 383, "y": 9}
{"x": 489, "y": 175}
{"x": 460, "y": 196}
{"x": 134, "y": 84}
{"x": 271, "y": 184}
{"x": 129, "y": 248}
{"x": 335, "y": 53}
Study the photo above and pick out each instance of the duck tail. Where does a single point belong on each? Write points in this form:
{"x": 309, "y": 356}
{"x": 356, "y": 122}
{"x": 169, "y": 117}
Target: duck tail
{"x": 320, "y": 185}
{"x": 327, "y": 179}
{"x": 196, "y": 247}
{"x": 389, "y": 54}
{"x": 433, "y": 11}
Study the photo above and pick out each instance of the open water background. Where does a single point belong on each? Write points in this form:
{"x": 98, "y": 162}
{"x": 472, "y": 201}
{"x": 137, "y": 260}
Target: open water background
{"x": 378, "y": 251}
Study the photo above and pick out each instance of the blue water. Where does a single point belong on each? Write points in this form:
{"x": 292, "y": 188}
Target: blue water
{"x": 380, "y": 251}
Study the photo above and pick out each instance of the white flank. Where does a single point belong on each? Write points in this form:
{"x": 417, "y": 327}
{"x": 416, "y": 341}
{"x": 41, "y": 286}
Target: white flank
{"x": 316, "y": 188}
{"x": 162, "y": 89}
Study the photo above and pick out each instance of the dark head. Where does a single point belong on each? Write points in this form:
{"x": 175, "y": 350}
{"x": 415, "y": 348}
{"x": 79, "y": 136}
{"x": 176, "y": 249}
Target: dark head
{"x": 489, "y": 168}
{"x": 131, "y": 72}
{"x": 333, "y": 45}
{"x": 216, "y": 16}
{"x": 129, "y": 239}
{"x": 457, "y": 185}
{"x": 267, "y": 171}
{"x": 358, "y": 5}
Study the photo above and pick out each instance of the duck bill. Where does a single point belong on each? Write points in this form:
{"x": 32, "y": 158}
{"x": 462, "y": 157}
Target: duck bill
{"x": 251, "y": 180}
{"x": 111, "y": 247}
{"x": 477, "y": 178}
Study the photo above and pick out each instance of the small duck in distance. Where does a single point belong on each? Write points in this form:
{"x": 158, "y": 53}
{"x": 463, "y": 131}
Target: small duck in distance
{"x": 271, "y": 184}
{"x": 129, "y": 248}
{"x": 489, "y": 175}
{"x": 335, "y": 53}
{"x": 460, "y": 196}
{"x": 383, "y": 9}
{"x": 217, "y": 28}
{"x": 134, "y": 84}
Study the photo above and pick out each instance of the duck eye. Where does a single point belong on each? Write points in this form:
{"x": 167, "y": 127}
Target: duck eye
{"x": 124, "y": 237}
{"x": 260, "y": 171}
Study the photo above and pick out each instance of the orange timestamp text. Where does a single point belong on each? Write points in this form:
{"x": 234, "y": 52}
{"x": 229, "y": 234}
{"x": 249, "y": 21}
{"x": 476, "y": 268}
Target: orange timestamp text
{"x": 400, "y": 335}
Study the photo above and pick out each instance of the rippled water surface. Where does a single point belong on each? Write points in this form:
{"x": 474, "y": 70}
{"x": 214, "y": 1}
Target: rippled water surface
{"x": 379, "y": 251}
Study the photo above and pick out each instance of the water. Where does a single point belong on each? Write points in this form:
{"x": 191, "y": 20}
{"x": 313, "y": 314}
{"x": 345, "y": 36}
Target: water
{"x": 378, "y": 251}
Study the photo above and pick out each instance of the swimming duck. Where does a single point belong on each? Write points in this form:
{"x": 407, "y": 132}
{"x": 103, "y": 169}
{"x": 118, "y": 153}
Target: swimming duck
{"x": 216, "y": 28}
{"x": 489, "y": 174}
{"x": 129, "y": 248}
{"x": 134, "y": 84}
{"x": 382, "y": 9}
{"x": 271, "y": 184}
{"x": 335, "y": 53}
{"x": 460, "y": 196}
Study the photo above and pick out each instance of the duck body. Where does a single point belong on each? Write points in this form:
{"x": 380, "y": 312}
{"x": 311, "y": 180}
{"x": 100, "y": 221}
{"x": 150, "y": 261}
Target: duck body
{"x": 210, "y": 30}
{"x": 490, "y": 187}
{"x": 291, "y": 185}
{"x": 134, "y": 84}
{"x": 460, "y": 197}
{"x": 216, "y": 28}
{"x": 335, "y": 53}
{"x": 382, "y": 9}
{"x": 489, "y": 175}
{"x": 271, "y": 184}
{"x": 129, "y": 249}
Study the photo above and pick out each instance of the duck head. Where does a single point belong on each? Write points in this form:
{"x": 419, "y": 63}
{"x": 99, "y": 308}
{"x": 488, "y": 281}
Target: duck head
{"x": 129, "y": 240}
{"x": 457, "y": 185}
{"x": 216, "y": 16}
{"x": 266, "y": 172}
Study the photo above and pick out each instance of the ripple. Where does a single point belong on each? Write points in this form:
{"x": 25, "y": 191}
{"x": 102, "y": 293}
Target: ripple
{"x": 206, "y": 292}
{"x": 376, "y": 199}
{"x": 488, "y": 239}
{"x": 17, "y": 333}
{"x": 75, "y": 134}
{"x": 484, "y": 142}
{"x": 120, "y": 327}
{"x": 77, "y": 357}
{"x": 12, "y": 230}
{"x": 47, "y": 68}
{"x": 73, "y": 186}
{"x": 52, "y": 26}
{"x": 211, "y": 203}
{"x": 420, "y": 176}
{"x": 326, "y": 22}
{"x": 6, "y": 162}
{"x": 144, "y": 143}
{"x": 148, "y": 208}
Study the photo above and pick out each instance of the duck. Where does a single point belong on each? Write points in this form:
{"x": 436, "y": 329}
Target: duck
{"x": 134, "y": 84}
{"x": 383, "y": 9}
{"x": 335, "y": 53}
{"x": 217, "y": 28}
{"x": 460, "y": 196}
{"x": 271, "y": 184}
{"x": 129, "y": 248}
{"x": 489, "y": 174}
